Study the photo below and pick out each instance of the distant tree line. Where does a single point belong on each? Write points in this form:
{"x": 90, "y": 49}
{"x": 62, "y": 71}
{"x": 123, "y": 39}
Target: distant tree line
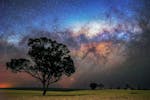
{"x": 127, "y": 86}
{"x": 93, "y": 86}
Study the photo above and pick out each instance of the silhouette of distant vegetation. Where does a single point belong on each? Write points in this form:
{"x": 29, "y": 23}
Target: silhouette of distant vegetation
{"x": 126, "y": 86}
{"x": 48, "y": 61}
{"x": 101, "y": 86}
{"x": 93, "y": 86}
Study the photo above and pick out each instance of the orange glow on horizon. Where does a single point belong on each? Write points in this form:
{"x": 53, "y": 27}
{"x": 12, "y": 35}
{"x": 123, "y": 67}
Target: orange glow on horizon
{"x": 5, "y": 85}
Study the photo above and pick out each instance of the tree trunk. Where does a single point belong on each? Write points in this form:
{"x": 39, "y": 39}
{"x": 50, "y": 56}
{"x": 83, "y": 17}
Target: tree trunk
{"x": 44, "y": 92}
{"x": 44, "y": 89}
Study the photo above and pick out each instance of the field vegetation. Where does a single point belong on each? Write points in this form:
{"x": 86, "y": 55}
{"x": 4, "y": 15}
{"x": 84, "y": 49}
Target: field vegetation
{"x": 76, "y": 95}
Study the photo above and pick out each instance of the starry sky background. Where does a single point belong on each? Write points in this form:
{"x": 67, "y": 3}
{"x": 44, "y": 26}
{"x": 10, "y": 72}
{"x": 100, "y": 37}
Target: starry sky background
{"x": 109, "y": 39}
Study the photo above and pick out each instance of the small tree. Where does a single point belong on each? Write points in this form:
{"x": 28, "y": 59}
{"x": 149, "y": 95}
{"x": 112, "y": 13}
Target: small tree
{"x": 93, "y": 86}
{"x": 48, "y": 61}
{"x": 101, "y": 86}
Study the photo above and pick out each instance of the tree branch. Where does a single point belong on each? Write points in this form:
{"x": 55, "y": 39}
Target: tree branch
{"x": 33, "y": 75}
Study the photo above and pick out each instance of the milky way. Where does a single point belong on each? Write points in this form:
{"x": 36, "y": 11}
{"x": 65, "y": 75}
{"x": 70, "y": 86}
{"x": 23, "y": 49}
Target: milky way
{"x": 106, "y": 38}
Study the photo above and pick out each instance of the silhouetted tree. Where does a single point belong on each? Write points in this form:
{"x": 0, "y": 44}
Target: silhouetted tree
{"x": 48, "y": 61}
{"x": 93, "y": 86}
{"x": 101, "y": 86}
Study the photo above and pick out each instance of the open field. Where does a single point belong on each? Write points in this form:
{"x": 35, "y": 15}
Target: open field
{"x": 76, "y": 95}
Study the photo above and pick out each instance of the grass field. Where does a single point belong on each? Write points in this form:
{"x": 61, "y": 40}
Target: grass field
{"x": 76, "y": 95}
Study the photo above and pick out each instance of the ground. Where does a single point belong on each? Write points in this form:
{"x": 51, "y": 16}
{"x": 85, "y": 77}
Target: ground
{"x": 76, "y": 95}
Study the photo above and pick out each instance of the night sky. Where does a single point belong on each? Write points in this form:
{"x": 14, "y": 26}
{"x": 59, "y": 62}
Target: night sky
{"x": 109, "y": 40}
